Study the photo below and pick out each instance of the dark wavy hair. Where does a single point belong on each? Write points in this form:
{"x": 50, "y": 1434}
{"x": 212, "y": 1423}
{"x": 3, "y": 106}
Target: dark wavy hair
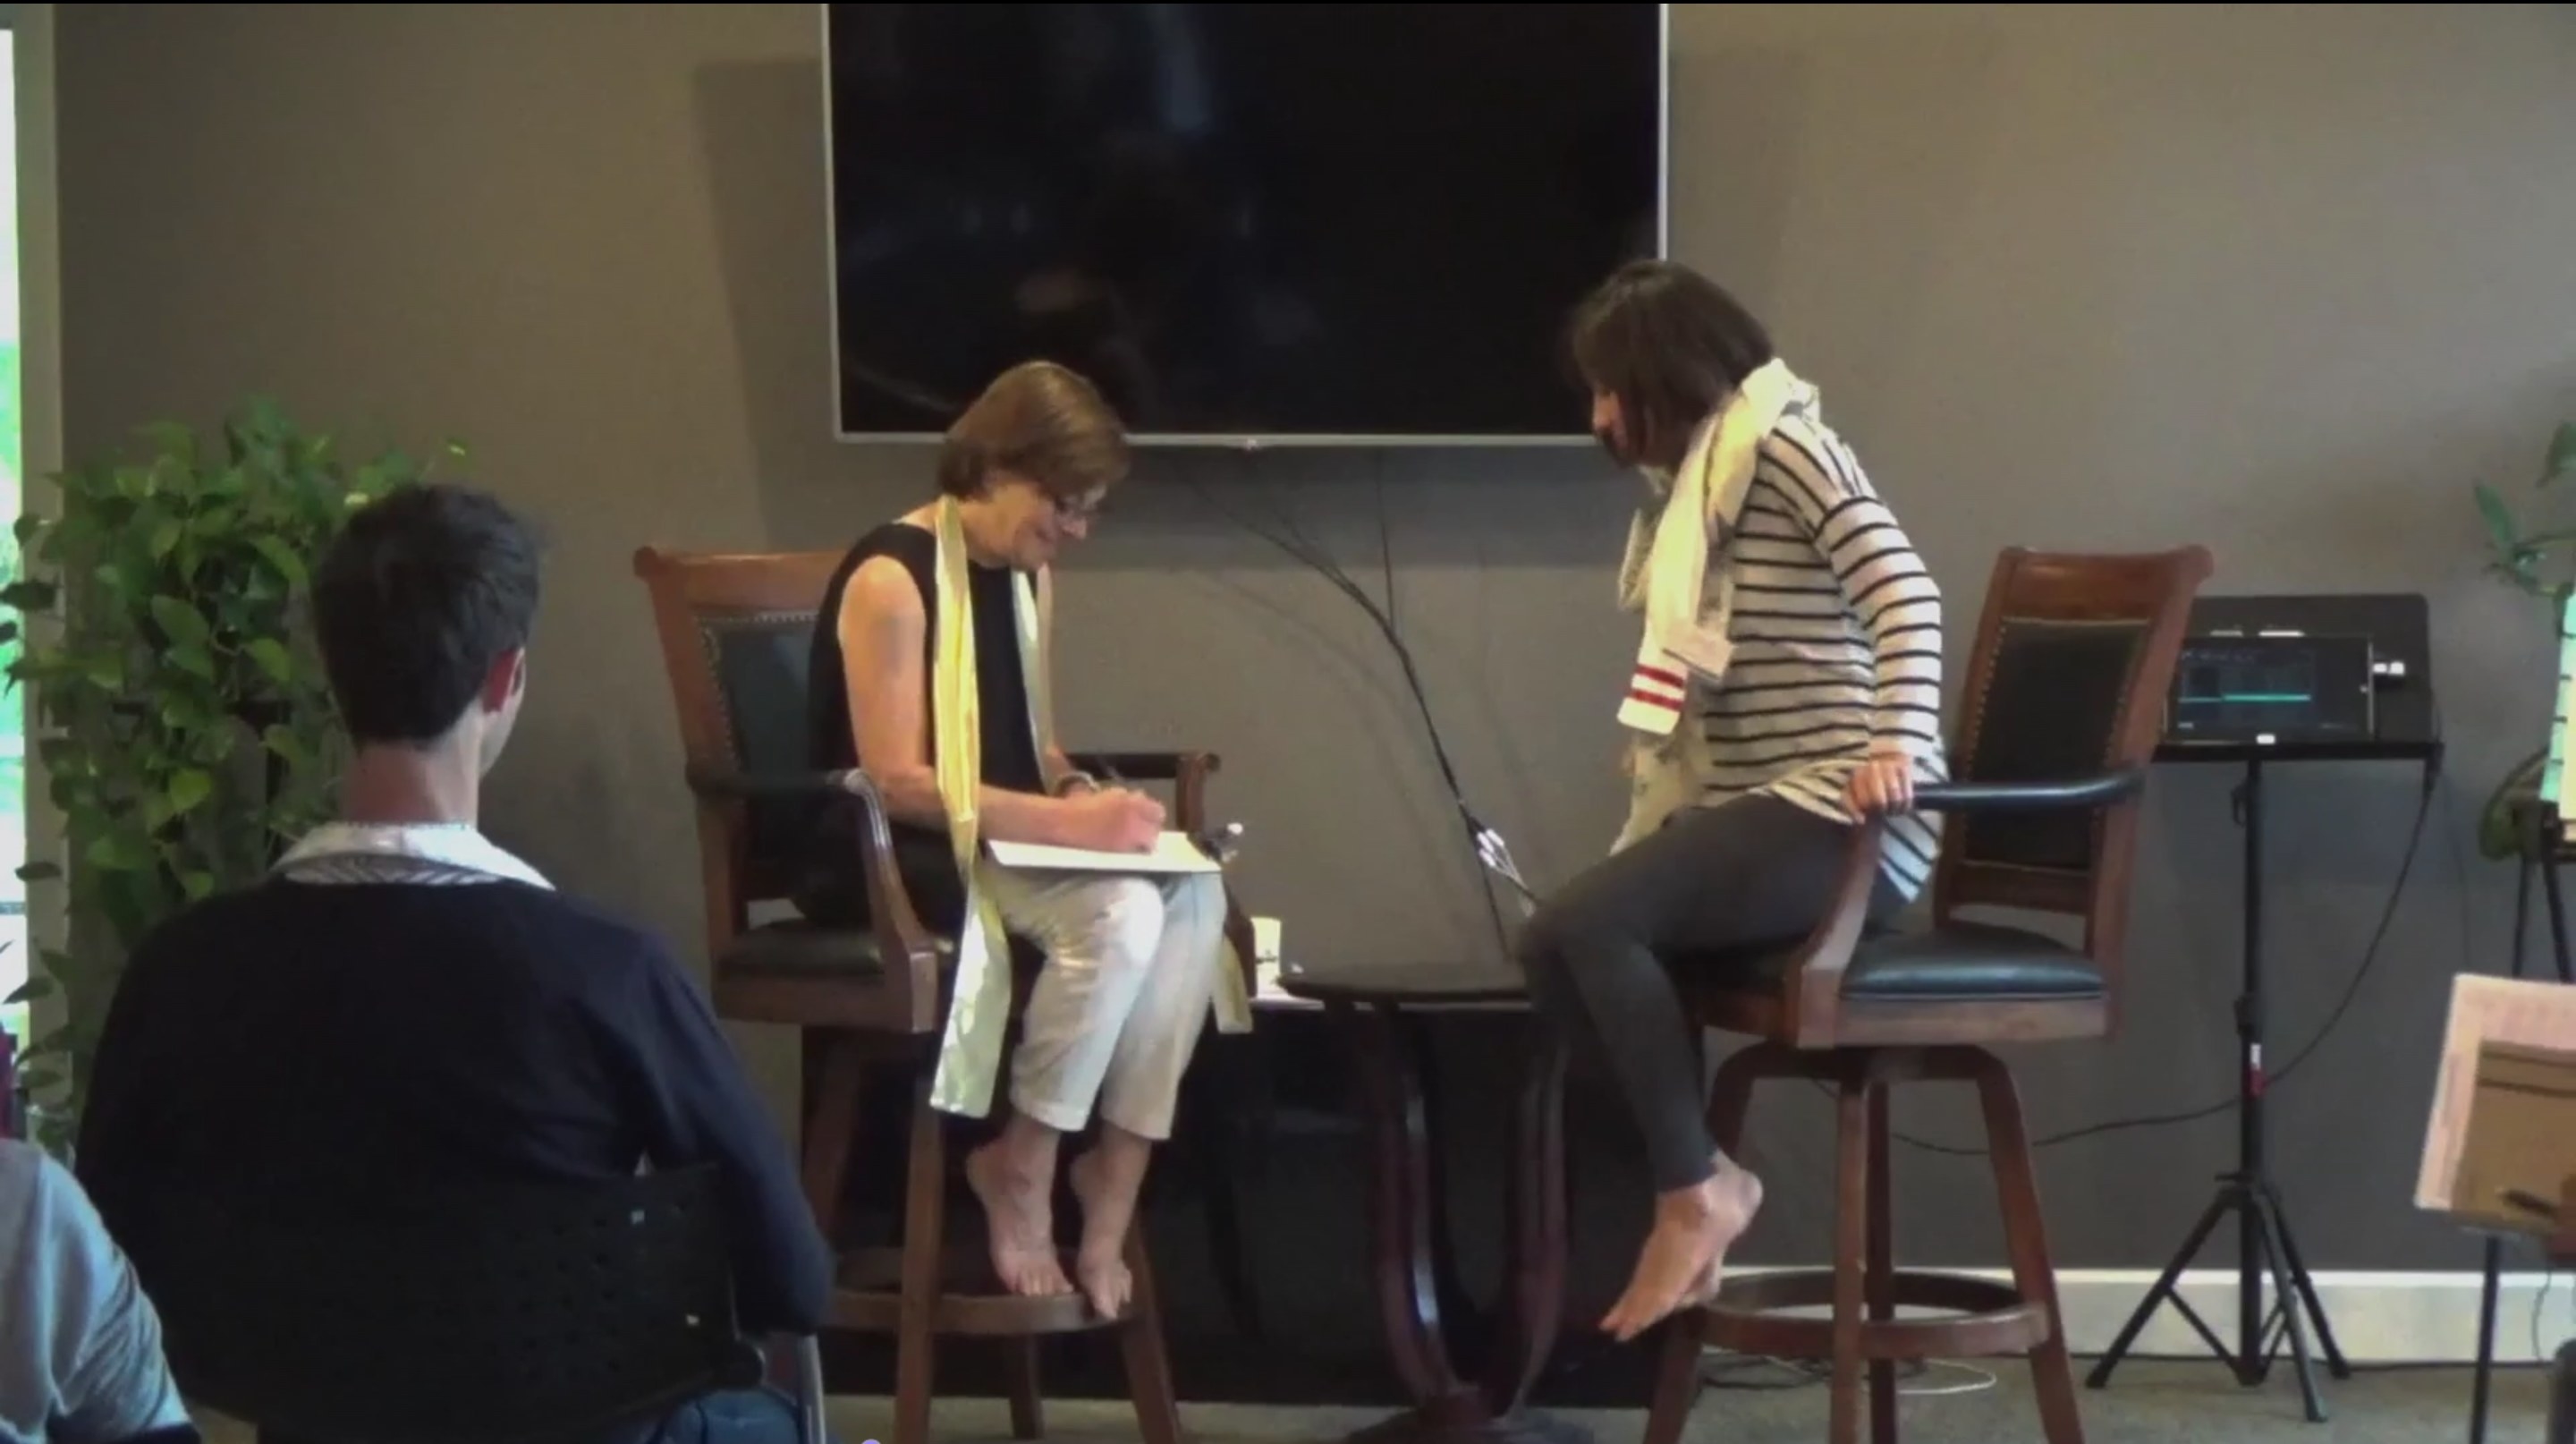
{"x": 1672, "y": 345}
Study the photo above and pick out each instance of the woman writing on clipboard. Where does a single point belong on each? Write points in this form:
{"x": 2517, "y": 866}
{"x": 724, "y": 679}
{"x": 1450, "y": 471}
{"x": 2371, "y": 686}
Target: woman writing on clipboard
{"x": 930, "y": 671}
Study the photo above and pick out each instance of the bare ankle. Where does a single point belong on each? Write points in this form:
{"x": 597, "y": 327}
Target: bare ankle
{"x": 1689, "y": 1207}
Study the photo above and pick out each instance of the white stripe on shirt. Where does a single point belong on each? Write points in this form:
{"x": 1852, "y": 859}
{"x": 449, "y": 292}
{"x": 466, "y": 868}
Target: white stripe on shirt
{"x": 1837, "y": 633}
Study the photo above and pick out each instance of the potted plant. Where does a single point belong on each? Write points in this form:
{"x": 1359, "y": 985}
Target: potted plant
{"x": 2535, "y": 552}
{"x": 177, "y": 703}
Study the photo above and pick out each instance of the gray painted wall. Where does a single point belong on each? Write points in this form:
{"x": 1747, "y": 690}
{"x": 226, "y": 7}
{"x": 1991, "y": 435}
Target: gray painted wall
{"x": 2282, "y": 279}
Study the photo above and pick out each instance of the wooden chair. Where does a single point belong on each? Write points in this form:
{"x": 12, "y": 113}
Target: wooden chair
{"x": 735, "y": 633}
{"x": 2063, "y": 706}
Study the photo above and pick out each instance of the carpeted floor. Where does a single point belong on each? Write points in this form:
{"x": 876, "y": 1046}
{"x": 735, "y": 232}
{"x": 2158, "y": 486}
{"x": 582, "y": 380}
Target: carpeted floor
{"x": 2148, "y": 1403}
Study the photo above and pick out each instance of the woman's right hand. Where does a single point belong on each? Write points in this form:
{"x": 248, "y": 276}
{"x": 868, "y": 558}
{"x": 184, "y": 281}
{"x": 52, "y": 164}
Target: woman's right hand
{"x": 1113, "y": 819}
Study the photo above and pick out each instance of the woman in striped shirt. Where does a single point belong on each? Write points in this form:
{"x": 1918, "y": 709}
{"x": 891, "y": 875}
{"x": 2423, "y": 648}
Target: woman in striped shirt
{"x": 1811, "y": 697}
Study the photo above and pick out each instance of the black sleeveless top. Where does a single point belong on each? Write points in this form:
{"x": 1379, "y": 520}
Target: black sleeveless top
{"x": 1010, "y": 752}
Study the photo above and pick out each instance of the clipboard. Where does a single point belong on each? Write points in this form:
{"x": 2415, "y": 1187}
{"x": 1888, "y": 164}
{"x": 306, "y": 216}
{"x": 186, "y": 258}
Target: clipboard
{"x": 1173, "y": 854}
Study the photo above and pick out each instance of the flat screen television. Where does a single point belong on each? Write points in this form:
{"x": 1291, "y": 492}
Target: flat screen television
{"x": 1247, "y": 224}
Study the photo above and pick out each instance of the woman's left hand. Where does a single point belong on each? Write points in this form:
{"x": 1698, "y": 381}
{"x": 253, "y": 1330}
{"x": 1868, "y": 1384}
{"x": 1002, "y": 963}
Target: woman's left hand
{"x": 1884, "y": 782}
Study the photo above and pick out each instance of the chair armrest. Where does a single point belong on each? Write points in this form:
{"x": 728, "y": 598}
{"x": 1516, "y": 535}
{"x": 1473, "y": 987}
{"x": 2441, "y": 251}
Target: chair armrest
{"x": 720, "y": 784}
{"x": 904, "y": 947}
{"x": 1188, "y": 773}
{"x": 1812, "y": 990}
{"x": 809, "y": 1391}
{"x": 2060, "y": 794}
{"x": 1146, "y": 766}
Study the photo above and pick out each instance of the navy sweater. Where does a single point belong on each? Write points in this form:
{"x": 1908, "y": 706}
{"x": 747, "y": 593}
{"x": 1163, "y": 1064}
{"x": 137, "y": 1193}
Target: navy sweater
{"x": 309, "y": 1047}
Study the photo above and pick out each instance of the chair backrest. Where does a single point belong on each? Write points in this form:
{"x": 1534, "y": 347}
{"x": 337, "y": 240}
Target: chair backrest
{"x": 2074, "y": 657}
{"x": 737, "y": 636}
{"x": 498, "y": 1315}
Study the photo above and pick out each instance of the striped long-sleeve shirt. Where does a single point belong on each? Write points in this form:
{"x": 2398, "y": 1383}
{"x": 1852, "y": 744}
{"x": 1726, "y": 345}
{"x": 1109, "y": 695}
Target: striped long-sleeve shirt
{"x": 1837, "y": 637}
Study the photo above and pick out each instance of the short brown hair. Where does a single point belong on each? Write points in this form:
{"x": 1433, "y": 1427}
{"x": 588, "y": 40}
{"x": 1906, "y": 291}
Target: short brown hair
{"x": 1672, "y": 345}
{"x": 1041, "y": 421}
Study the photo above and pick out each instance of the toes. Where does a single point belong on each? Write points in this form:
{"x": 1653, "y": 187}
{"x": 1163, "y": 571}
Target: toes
{"x": 1035, "y": 1278}
{"x": 1108, "y": 1286}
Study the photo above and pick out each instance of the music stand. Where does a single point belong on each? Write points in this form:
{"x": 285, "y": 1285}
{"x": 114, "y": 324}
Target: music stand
{"x": 2399, "y": 627}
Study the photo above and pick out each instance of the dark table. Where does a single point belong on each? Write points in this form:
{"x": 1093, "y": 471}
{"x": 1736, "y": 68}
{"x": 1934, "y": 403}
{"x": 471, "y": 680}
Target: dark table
{"x": 1414, "y": 1267}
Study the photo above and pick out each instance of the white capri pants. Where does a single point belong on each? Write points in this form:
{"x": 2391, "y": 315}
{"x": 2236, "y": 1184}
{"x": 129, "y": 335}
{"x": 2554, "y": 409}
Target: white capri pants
{"x": 1118, "y": 1008}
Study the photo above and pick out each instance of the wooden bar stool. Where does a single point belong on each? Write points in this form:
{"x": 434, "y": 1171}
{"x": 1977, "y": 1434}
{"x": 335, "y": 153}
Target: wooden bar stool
{"x": 2063, "y": 707}
{"x": 736, "y": 632}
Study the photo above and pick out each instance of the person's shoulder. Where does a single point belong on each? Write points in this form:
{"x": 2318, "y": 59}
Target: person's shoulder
{"x": 906, "y": 543}
{"x": 35, "y": 1186}
{"x": 890, "y": 586}
{"x": 1803, "y": 452}
{"x": 210, "y": 924}
{"x": 22, "y": 1166}
{"x": 572, "y": 927}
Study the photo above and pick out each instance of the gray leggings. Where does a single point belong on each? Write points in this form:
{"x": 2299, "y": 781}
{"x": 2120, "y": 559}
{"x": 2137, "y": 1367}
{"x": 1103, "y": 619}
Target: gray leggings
{"x": 1750, "y": 871}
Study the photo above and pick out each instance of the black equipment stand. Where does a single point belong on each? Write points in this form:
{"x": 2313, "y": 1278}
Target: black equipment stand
{"x": 2264, "y": 1246}
{"x": 2540, "y": 842}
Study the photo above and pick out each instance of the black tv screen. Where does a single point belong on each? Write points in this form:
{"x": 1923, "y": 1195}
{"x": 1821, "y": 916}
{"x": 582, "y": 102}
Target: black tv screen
{"x": 1277, "y": 223}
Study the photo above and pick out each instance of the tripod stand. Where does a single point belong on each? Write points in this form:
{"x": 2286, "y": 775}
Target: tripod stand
{"x": 2263, "y": 1243}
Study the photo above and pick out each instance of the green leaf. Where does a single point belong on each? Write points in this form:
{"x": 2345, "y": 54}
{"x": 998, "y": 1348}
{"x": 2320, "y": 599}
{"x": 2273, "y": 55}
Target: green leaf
{"x": 33, "y": 990}
{"x": 2499, "y": 517}
{"x": 282, "y": 557}
{"x": 197, "y": 885}
{"x": 288, "y": 747}
{"x": 165, "y": 536}
{"x": 39, "y": 872}
{"x": 181, "y": 625}
{"x": 29, "y": 596}
{"x": 188, "y": 789}
{"x": 2562, "y": 452}
{"x": 105, "y": 671}
{"x": 116, "y": 852}
{"x": 273, "y": 658}
{"x": 192, "y": 660}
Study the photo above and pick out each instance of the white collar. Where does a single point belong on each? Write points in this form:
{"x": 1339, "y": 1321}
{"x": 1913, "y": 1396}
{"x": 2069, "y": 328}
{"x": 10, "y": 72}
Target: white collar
{"x": 452, "y": 845}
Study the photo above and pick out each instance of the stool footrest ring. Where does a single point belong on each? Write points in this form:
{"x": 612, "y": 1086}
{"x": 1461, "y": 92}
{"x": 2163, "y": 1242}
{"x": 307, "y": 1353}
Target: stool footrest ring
{"x": 869, "y": 1299}
{"x": 1978, "y": 1318}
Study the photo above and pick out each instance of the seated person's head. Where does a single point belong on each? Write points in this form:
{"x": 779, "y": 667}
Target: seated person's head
{"x": 423, "y": 606}
{"x": 1031, "y": 461}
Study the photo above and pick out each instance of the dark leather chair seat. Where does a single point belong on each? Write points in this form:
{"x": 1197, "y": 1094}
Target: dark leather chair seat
{"x": 794, "y": 947}
{"x": 1963, "y": 962}
{"x": 800, "y": 948}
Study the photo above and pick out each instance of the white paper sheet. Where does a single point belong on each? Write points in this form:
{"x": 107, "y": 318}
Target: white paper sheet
{"x": 1173, "y": 852}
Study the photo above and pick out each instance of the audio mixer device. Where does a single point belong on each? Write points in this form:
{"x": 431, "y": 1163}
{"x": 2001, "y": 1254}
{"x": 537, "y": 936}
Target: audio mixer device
{"x": 2266, "y": 687}
{"x": 2346, "y": 674}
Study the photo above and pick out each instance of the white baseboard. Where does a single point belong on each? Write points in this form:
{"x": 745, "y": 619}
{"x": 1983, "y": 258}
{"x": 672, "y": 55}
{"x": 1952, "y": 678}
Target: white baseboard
{"x": 2378, "y": 1318}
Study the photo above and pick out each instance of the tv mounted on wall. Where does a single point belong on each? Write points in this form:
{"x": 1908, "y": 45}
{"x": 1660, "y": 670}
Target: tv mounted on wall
{"x": 1248, "y": 224}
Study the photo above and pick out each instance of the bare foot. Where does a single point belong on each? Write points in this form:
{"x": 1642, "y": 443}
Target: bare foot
{"x": 1101, "y": 1262}
{"x": 1713, "y": 1277}
{"x": 1685, "y": 1254}
{"x": 1020, "y": 1221}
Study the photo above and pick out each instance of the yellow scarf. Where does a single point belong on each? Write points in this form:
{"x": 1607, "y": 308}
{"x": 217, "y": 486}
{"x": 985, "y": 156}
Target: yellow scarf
{"x": 970, "y": 1051}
